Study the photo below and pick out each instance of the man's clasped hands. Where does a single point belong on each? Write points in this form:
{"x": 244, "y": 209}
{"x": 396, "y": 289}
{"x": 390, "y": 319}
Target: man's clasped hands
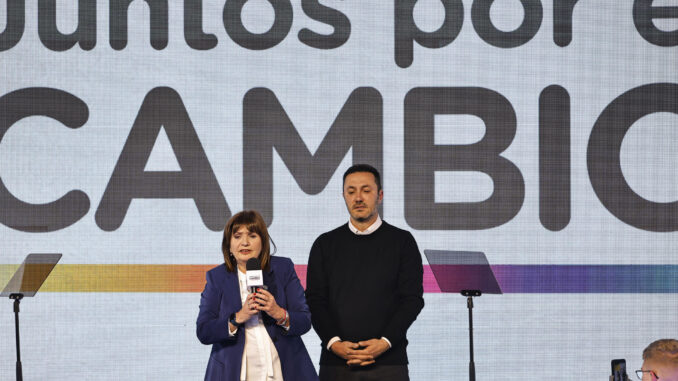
{"x": 361, "y": 353}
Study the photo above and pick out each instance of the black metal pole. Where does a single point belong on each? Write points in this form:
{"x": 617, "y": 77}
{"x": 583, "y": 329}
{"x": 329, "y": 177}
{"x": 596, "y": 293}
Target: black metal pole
{"x": 17, "y": 298}
{"x": 471, "y": 364}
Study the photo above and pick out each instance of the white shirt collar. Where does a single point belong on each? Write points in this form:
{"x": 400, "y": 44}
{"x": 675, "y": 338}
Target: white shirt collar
{"x": 371, "y": 229}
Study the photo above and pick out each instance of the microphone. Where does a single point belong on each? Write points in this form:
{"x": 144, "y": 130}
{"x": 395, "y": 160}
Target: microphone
{"x": 254, "y": 275}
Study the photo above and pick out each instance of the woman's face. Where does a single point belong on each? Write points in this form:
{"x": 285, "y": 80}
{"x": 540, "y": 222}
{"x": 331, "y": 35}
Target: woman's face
{"x": 245, "y": 245}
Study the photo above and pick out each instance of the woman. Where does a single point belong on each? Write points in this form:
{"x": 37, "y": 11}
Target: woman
{"x": 254, "y": 336}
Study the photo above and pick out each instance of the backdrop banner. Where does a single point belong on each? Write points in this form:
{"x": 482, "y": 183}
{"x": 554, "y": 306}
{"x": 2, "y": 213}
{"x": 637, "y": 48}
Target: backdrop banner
{"x": 542, "y": 133}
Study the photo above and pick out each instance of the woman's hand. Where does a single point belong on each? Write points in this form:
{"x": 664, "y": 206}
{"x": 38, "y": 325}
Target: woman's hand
{"x": 248, "y": 310}
{"x": 265, "y": 301}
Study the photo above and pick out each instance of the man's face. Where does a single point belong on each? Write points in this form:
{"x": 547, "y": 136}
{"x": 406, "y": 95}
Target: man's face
{"x": 362, "y": 197}
{"x": 663, "y": 371}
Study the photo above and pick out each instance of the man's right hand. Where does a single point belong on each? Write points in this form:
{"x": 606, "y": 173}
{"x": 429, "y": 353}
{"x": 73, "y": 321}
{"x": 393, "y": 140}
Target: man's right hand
{"x": 351, "y": 352}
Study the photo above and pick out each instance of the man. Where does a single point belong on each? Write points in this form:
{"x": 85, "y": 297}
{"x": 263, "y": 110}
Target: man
{"x": 660, "y": 361}
{"x": 364, "y": 288}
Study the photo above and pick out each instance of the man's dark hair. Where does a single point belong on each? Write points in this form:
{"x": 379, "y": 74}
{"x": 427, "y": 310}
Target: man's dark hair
{"x": 364, "y": 168}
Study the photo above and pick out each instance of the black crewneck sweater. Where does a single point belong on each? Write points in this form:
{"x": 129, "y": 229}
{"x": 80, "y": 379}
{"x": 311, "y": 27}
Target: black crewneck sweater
{"x": 362, "y": 287}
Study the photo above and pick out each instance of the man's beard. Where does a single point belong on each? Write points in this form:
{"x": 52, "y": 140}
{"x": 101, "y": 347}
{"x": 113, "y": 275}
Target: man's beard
{"x": 362, "y": 219}
{"x": 365, "y": 218}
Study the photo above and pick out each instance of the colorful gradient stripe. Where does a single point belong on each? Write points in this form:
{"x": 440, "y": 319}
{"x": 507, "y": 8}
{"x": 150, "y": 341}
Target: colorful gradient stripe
{"x": 561, "y": 279}
{"x": 538, "y": 279}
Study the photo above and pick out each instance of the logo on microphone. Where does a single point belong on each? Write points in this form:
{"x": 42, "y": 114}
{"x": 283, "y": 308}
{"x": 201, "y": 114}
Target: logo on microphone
{"x": 254, "y": 277}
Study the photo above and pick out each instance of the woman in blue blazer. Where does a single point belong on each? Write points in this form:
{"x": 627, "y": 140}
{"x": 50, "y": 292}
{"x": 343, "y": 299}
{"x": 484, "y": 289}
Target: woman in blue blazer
{"x": 254, "y": 336}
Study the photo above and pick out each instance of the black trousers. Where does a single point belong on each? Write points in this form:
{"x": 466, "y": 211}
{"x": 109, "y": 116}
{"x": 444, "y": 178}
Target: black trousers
{"x": 369, "y": 373}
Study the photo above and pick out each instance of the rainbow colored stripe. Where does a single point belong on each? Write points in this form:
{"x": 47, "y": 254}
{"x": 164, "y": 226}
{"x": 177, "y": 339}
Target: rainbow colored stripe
{"x": 521, "y": 279}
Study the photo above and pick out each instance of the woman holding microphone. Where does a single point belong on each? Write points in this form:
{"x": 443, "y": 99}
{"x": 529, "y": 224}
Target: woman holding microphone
{"x": 254, "y": 336}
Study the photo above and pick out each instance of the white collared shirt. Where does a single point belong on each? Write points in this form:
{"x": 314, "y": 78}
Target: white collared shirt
{"x": 370, "y": 229}
{"x": 260, "y": 361}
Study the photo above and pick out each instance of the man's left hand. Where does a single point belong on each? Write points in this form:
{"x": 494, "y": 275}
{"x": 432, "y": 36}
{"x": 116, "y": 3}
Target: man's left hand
{"x": 373, "y": 348}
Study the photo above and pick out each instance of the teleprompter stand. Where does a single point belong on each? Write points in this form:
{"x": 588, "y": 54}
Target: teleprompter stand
{"x": 468, "y": 273}
{"x": 26, "y": 282}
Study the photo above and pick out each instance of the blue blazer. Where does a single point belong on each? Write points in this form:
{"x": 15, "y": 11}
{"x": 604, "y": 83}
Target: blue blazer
{"x": 221, "y": 298}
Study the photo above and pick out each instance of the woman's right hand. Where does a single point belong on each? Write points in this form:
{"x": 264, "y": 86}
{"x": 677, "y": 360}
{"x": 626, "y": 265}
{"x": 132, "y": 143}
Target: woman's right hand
{"x": 247, "y": 311}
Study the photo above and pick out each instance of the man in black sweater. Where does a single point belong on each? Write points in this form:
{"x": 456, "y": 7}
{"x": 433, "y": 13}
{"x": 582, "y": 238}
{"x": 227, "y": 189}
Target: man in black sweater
{"x": 364, "y": 287}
